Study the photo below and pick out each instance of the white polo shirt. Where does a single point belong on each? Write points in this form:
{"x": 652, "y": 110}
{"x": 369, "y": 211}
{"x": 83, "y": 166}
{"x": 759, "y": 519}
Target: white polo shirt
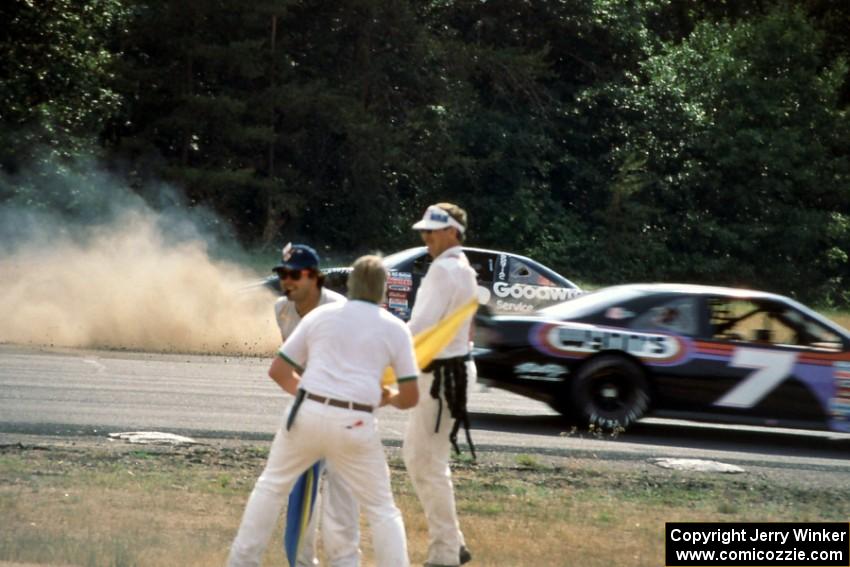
{"x": 344, "y": 348}
{"x": 287, "y": 316}
{"x": 449, "y": 283}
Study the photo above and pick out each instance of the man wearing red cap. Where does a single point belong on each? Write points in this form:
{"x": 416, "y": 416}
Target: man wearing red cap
{"x": 449, "y": 283}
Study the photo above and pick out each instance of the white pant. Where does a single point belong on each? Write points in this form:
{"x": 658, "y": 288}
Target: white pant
{"x": 340, "y": 525}
{"x": 349, "y": 442}
{"x": 426, "y": 456}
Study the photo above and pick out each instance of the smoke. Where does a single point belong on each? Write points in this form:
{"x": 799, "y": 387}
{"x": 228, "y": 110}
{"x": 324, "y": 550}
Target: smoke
{"x": 85, "y": 262}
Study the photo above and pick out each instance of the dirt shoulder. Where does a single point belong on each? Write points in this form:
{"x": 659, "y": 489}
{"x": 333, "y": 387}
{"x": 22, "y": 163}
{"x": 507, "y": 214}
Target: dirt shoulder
{"x": 249, "y": 455}
{"x": 92, "y": 500}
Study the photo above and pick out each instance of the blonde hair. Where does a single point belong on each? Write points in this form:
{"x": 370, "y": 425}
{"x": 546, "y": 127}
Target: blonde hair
{"x": 456, "y": 213}
{"x": 367, "y": 279}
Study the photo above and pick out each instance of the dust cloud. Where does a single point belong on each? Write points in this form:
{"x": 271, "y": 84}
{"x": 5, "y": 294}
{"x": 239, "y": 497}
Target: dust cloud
{"x": 134, "y": 279}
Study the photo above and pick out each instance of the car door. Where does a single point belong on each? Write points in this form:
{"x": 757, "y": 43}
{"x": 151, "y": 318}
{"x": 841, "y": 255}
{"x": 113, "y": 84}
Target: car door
{"x": 519, "y": 286}
{"x": 509, "y": 284}
{"x": 403, "y": 279}
{"x": 485, "y": 264}
{"x": 747, "y": 363}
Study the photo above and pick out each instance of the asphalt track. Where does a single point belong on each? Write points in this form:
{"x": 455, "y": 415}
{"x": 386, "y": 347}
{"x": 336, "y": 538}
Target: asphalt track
{"x": 53, "y": 391}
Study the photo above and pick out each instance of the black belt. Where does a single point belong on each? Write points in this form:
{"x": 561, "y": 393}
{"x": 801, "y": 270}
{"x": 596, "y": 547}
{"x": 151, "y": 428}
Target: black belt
{"x": 338, "y": 403}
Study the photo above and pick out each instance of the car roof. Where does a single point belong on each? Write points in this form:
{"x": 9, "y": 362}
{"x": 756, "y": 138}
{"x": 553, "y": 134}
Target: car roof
{"x": 415, "y": 250}
{"x": 699, "y": 289}
{"x": 632, "y": 290}
{"x": 404, "y": 255}
{"x": 392, "y": 260}
{"x": 611, "y": 294}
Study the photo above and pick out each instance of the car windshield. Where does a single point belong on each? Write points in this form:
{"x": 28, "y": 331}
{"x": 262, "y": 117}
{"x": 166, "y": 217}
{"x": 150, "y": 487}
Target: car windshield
{"x": 591, "y": 302}
{"x": 393, "y": 260}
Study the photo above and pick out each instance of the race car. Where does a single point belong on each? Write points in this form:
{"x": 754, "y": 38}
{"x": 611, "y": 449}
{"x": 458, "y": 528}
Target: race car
{"x": 609, "y": 357}
{"x": 508, "y": 283}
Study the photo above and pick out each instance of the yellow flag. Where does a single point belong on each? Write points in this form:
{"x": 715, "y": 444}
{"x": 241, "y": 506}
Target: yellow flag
{"x": 431, "y": 341}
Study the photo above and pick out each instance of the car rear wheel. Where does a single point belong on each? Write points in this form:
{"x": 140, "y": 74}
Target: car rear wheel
{"x": 610, "y": 392}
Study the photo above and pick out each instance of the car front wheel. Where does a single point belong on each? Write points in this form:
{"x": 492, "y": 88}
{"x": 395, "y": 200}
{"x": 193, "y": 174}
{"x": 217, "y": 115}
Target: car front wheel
{"x": 610, "y": 392}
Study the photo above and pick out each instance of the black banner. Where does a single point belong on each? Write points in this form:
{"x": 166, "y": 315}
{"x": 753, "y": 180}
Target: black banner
{"x": 746, "y": 544}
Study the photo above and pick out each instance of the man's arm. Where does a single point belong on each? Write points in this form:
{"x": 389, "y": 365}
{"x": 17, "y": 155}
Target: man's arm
{"x": 406, "y": 397}
{"x": 291, "y": 358}
{"x": 406, "y": 369}
{"x": 284, "y": 374}
{"x": 432, "y": 299}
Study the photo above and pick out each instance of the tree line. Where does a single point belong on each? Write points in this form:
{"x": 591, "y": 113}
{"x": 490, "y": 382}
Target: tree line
{"x": 669, "y": 140}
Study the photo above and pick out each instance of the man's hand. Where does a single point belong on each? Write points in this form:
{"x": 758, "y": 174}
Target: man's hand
{"x": 386, "y": 394}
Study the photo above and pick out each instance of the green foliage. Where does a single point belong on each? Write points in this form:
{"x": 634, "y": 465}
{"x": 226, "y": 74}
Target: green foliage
{"x": 743, "y": 141}
{"x": 612, "y": 140}
{"x": 55, "y": 79}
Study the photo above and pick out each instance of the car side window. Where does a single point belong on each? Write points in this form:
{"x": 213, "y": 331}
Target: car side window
{"x": 765, "y": 322}
{"x": 421, "y": 264}
{"x": 740, "y": 320}
{"x": 484, "y": 265}
{"x": 522, "y": 273}
{"x": 811, "y": 333}
{"x": 337, "y": 280}
{"x": 676, "y": 316}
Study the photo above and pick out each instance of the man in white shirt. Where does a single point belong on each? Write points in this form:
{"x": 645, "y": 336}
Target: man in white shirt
{"x": 336, "y": 393}
{"x": 303, "y": 287}
{"x": 449, "y": 283}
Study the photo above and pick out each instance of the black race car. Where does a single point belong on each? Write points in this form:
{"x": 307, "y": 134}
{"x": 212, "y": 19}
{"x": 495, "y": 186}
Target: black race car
{"x": 509, "y": 283}
{"x": 607, "y": 358}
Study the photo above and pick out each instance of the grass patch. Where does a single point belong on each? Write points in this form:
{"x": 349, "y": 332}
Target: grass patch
{"x": 528, "y": 462}
{"x": 166, "y": 507}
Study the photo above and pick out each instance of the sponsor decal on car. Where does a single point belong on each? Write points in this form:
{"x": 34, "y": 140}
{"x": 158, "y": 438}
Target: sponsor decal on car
{"x": 840, "y": 403}
{"x": 533, "y": 292}
{"x": 546, "y": 372}
{"x": 769, "y": 367}
{"x": 511, "y": 307}
{"x": 404, "y": 279}
{"x": 503, "y": 264}
{"x": 578, "y": 341}
{"x": 400, "y": 311}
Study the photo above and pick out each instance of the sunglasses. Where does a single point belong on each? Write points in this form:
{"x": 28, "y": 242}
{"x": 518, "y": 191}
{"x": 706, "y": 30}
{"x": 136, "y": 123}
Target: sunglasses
{"x": 294, "y": 275}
